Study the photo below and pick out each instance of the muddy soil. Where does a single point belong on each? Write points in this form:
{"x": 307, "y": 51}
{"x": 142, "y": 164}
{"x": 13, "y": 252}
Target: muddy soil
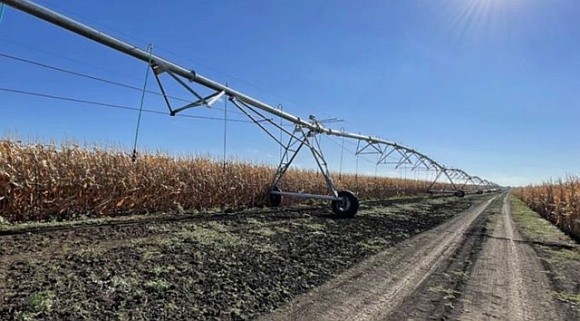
{"x": 214, "y": 267}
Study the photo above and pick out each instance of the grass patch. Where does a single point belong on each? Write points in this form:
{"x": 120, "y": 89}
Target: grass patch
{"x": 122, "y": 284}
{"x": 160, "y": 228}
{"x": 254, "y": 221}
{"x": 567, "y": 254}
{"x": 150, "y": 255}
{"x": 211, "y": 233}
{"x": 456, "y": 274}
{"x": 40, "y": 302}
{"x": 87, "y": 255}
{"x": 158, "y": 285}
{"x": 564, "y": 261}
{"x": 263, "y": 231}
{"x": 280, "y": 229}
{"x": 573, "y": 298}
{"x": 448, "y": 293}
{"x": 535, "y": 227}
{"x": 373, "y": 245}
{"x": 315, "y": 226}
{"x": 160, "y": 270}
{"x": 413, "y": 207}
{"x": 532, "y": 225}
{"x": 384, "y": 211}
{"x": 265, "y": 248}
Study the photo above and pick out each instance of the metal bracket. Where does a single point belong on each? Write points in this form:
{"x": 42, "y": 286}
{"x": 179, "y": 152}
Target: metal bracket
{"x": 207, "y": 101}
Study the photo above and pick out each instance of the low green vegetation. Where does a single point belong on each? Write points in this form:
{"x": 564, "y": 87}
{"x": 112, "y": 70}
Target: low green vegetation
{"x": 38, "y": 303}
{"x": 556, "y": 249}
{"x": 211, "y": 233}
{"x": 534, "y": 226}
{"x": 373, "y": 245}
{"x": 573, "y": 298}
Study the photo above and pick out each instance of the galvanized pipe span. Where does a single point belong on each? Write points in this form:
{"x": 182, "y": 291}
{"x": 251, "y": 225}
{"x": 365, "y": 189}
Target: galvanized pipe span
{"x": 95, "y": 35}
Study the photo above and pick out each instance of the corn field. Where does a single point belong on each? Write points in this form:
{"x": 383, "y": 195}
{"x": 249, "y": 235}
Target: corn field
{"x": 558, "y": 202}
{"x": 48, "y": 182}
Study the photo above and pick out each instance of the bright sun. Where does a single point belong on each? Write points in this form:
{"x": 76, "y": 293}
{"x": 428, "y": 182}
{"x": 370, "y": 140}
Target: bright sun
{"x": 480, "y": 15}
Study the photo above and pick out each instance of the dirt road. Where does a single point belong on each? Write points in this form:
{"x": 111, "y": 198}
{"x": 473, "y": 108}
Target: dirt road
{"x": 460, "y": 270}
{"x": 508, "y": 281}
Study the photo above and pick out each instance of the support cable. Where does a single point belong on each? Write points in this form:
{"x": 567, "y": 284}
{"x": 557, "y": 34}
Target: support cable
{"x": 74, "y": 73}
{"x": 36, "y": 49}
{"x": 134, "y": 155}
{"x": 99, "y": 79}
{"x": 116, "y": 106}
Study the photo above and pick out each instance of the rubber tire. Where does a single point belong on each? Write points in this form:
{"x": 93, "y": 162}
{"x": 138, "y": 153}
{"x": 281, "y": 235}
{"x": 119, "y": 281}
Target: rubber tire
{"x": 274, "y": 200}
{"x": 459, "y": 193}
{"x": 346, "y": 208}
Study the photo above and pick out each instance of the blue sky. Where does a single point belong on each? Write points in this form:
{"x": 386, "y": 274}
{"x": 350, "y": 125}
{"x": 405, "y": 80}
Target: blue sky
{"x": 489, "y": 86}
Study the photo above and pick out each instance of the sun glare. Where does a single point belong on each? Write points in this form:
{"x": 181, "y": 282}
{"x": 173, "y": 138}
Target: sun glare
{"x": 482, "y": 16}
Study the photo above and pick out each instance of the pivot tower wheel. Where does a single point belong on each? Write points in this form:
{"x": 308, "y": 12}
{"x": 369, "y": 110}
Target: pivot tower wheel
{"x": 459, "y": 193}
{"x": 274, "y": 200}
{"x": 347, "y": 206}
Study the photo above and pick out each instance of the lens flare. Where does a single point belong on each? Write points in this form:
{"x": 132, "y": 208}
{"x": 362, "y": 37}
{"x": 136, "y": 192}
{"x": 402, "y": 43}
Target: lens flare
{"x": 482, "y": 16}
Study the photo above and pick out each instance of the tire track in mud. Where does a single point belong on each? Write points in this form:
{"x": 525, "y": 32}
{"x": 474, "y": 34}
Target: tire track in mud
{"x": 378, "y": 287}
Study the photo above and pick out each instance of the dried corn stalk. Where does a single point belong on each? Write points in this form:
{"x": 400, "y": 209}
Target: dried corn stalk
{"x": 559, "y": 202}
{"x": 39, "y": 182}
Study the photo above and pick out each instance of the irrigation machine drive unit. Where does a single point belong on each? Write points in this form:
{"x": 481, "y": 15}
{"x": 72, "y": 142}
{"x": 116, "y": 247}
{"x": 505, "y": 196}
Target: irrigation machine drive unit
{"x": 305, "y": 134}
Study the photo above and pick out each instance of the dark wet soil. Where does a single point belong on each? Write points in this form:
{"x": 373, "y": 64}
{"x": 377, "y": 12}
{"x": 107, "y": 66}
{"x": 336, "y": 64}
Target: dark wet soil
{"x": 218, "y": 267}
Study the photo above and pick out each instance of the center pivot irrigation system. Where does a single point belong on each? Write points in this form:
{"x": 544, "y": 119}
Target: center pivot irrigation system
{"x": 306, "y": 132}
